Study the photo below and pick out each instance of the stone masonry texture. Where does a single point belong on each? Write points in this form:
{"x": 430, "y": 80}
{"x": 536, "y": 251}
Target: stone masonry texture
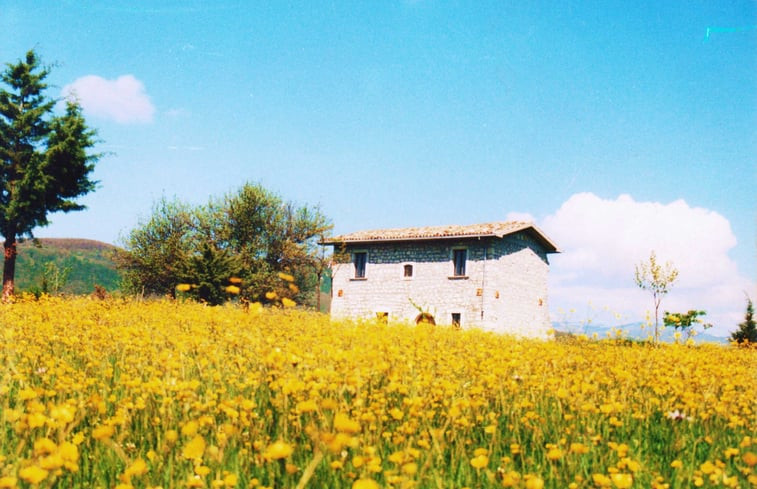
{"x": 504, "y": 288}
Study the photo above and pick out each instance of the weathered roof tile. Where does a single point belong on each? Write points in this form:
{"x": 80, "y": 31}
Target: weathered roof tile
{"x": 491, "y": 229}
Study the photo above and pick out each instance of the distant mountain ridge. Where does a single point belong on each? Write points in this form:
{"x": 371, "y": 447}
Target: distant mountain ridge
{"x": 634, "y": 331}
{"x": 88, "y": 262}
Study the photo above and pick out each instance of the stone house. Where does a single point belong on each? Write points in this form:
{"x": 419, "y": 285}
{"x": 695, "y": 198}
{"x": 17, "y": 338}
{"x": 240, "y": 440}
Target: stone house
{"x": 491, "y": 276}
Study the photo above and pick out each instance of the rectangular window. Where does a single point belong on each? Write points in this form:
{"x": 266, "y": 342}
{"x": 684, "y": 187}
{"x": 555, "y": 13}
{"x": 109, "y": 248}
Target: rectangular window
{"x": 408, "y": 270}
{"x": 456, "y": 319}
{"x": 359, "y": 258}
{"x": 459, "y": 258}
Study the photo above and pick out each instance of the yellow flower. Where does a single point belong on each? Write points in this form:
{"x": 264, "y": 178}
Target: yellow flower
{"x": 707, "y": 467}
{"x": 278, "y": 450}
{"x": 235, "y": 280}
{"x": 480, "y": 461}
{"x": 579, "y": 448}
{"x": 26, "y": 393}
{"x": 190, "y": 428}
{"x": 171, "y": 436}
{"x": 749, "y": 458}
{"x": 8, "y": 482}
{"x": 601, "y": 480}
{"x": 69, "y": 452}
{"x": 554, "y": 453}
{"x": 194, "y": 481}
{"x": 287, "y": 302}
{"x": 232, "y": 289}
{"x": 102, "y": 432}
{"x": 622, "y": 481}
{"x": 535, "y": 482}
{"x": 676, "y": 464}
{"x": 343, "y": 423}
{"x": 138, "y": 467}
{"x": 51, "y": 462}
{"x": 183, "y": 287}
{"x": 33, "y": 474}
{"x": 307, "y": 406}
{"x": 365, "y": 484}
{"x": 36, "y": 420}
{"x": 271, "y": 295}
{"x": 195, "y": 448}
{"x": 730, "y": 452}
{"x": 44, "y": 446}
{"x": 396, "y": 414}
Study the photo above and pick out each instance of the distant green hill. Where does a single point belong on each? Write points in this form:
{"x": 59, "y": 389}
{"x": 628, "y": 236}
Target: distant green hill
{"x": 88, "y": 264}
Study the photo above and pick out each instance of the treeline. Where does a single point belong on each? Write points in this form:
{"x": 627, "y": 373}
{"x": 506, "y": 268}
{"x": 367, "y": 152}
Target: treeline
{"x": 249, "y": 245}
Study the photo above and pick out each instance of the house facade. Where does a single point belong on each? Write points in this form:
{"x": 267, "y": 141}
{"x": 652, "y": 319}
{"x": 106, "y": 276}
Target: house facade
{"x": 491, "y": 276}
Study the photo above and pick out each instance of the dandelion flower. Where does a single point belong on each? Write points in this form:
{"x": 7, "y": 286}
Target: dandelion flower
{"x": 480, "y": 461}
{"x": 749, "y": 458}
{"x": 33, "y": 474}
{"x": 183, "y": 287}
{"x": 8, "y": 482}
{"x": 554, "y": 453}
{"x": 233, "y": 289}
{"x": 365, "y": 484}
{"x": 535, "y": 482}
{"x": 138, "y": 467}
{"x": 287, "y": 302}
{"x": 343, "y": 423}
{"x": 194, "y": 448}
{"x": 622, "y": 481}
{"x": 102, "y": 432}
{"x": 278, "y": 450}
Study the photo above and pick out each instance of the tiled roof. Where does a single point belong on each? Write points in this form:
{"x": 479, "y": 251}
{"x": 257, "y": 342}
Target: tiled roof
{"x": 491, "y": 229}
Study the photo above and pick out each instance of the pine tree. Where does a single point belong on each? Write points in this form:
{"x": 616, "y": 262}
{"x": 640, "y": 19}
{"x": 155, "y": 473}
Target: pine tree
{"x": 44, "y": 159}
{"x": 747, "y": 332}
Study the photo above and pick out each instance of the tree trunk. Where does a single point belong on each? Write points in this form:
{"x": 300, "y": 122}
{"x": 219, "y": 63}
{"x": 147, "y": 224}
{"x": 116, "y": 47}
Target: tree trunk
{"x": 9, "y": 266}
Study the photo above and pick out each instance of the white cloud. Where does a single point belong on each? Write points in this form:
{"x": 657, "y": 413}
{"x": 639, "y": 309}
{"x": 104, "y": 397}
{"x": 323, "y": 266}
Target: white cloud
{"x": 123, "y": 100}
{"x": 603, "y": 240}
{"x": 520, "y": 216}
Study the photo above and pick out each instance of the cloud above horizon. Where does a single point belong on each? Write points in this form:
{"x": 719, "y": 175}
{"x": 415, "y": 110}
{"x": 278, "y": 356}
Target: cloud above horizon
{"x": 604, "y": 239}
{"x": 123, "y": 100}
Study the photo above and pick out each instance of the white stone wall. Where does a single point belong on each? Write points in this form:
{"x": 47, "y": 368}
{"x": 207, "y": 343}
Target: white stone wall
{"x": 504, "y": 290}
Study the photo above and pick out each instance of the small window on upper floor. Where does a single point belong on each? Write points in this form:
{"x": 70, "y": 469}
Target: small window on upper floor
{"x": 459, "y": 257}
{"x": 359, "y": 258}
{"x": 408, "y": 271}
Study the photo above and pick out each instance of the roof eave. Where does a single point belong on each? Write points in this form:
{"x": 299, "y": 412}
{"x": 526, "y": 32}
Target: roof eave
{"x": 538, "y": 234}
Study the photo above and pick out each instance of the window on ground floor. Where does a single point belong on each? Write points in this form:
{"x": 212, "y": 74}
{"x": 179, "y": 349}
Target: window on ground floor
{"x": 456, "y": 319}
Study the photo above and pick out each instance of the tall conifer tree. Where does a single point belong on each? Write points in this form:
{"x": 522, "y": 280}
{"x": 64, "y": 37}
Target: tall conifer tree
{"x": 44, "y": 159}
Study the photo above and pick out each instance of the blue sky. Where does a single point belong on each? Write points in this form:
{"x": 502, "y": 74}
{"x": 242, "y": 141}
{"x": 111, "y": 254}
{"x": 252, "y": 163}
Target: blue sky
{"x": 618, "y": 127}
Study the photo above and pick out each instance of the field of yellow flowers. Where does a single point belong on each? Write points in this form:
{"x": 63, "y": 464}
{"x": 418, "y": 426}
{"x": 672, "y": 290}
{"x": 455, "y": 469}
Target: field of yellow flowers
{"x": 121, "y": 393}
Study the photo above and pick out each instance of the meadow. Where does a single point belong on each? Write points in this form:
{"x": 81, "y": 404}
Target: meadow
{"x": 125, "y": 394}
